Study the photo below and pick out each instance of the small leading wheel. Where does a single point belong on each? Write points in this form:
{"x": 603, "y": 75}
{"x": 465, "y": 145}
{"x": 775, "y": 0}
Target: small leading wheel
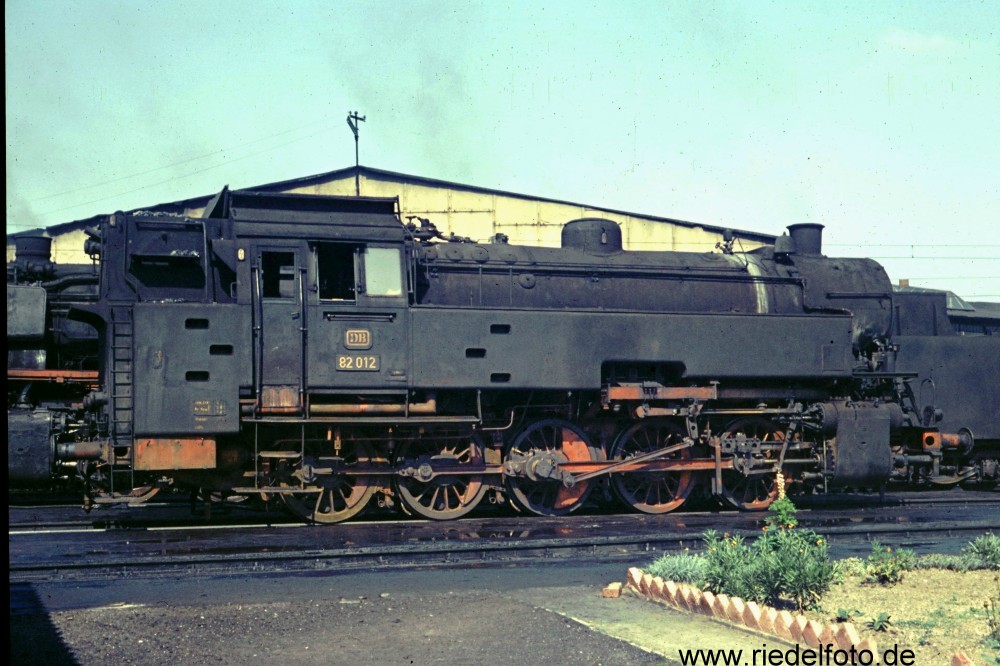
{"x": 338, "y": 494}
{"x": 652, "y": 492}
{"x": 532, "y": 463}
{"x": 753, "y": 492}
{"x": 426, "y": 492}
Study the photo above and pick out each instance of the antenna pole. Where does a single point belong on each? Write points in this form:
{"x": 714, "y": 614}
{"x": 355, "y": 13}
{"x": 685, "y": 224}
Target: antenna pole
{"x": 352, "y": 121}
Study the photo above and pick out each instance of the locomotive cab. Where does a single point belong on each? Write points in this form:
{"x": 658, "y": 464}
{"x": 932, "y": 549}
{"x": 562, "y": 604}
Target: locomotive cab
{"x": 333, "y": 320}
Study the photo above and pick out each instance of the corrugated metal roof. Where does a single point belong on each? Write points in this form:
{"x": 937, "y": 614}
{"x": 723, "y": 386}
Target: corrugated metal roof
{"x": 392, "y": 176}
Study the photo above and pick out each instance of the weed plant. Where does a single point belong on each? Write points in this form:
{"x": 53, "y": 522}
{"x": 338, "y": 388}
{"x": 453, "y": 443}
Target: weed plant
{"x": 881, "y": 622}
{"x": 992, "y": 607}
{"x": 849, "y": 566}
{"x": 846, "y": 614}
{"x": 982, "y": 552}
{"x": 886, "y": 566}
{"x": 680, "y": 569}
{"x": 940, "y": 561}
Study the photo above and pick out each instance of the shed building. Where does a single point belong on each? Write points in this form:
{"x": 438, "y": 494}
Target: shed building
{"x": 466, "y": 210}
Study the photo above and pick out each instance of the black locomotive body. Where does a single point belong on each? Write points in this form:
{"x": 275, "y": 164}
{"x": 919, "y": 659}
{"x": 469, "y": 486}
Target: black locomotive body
{"x": 317, "y": 350}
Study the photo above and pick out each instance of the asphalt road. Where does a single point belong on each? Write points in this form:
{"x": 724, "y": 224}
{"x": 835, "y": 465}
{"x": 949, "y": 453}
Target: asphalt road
{"x": 507, "y": 615}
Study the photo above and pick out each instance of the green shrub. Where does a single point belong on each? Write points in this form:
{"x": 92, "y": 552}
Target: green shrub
{"x": 982, "y": 552}
{"x": 680, "y": 569}
{"x": 805, "y": 557}
{"x": 738, "y": 570}
{"x": 887, "y": 566}
{"x": 784, "y": 563}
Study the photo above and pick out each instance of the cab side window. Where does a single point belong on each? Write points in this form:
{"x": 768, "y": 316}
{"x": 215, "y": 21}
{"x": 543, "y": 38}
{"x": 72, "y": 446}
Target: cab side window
{"x": 336, "y": 271}
{"x": 343, "y": 270}
{"x": 383, "y": 272}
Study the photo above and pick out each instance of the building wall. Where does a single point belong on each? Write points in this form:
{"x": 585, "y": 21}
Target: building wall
{"x": 526, "y": 221}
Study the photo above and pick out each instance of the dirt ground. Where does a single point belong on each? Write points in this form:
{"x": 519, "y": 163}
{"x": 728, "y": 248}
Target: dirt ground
{"x": 414, "y": 629}
{"x": 934, "y": 612}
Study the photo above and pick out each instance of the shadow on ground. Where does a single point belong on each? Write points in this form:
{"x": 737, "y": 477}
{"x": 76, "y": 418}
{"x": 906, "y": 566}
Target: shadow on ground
{"x": 33, "y": 637}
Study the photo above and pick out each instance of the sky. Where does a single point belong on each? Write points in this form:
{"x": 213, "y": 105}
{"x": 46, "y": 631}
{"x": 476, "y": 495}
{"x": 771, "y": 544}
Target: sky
{"x": 880, "y": 120}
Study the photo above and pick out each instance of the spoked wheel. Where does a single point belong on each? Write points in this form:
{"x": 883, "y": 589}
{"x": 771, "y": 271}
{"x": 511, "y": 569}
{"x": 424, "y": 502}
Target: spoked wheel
{"x": 652, "y": 492}
{"x": 756, "y": 491}
{"x": 333, "y": 492}
{"x": 533, "y": 461}
{"x": 430, "y": 494}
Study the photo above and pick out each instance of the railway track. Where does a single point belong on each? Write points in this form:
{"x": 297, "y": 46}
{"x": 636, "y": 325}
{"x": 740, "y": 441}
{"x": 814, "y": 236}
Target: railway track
{"x": 157, "y": 548}
{"x": 30, "y": 515}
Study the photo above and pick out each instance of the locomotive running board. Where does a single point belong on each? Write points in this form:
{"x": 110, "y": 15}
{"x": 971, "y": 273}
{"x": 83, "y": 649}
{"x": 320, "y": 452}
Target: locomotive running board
{"x": 55, "y": 376}
{"x": 370, "y": 420}
{"x": 653, "y": 391}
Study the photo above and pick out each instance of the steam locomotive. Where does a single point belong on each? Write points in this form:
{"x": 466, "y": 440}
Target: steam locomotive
{"x": 320, "y": 352}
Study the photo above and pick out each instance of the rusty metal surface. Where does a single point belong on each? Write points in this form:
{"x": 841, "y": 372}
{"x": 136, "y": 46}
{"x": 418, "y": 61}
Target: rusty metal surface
{"x": 426, "y": 407}
{"x": 280, "y": 400}
{"x": 175, "y": 453}
{"x": 57, "y": 376}
{"x": 643, "y": 393}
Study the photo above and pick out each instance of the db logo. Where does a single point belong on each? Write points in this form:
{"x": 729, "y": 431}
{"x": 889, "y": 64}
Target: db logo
{"x": 358, "y": 338}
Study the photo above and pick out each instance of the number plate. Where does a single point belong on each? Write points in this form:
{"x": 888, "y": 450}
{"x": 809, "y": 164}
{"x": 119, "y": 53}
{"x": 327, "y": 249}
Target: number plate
{"x": 358, "y": 363}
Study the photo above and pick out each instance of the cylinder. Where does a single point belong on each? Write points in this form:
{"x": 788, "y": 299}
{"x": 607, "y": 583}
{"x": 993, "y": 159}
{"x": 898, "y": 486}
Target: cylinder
{"x": 29, "y": 448}
{"x": 80, "y": 450}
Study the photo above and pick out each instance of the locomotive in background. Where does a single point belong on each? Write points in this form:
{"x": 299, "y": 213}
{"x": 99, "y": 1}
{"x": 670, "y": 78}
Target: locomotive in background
{"x": 318, "y": 350}
{"x": 52, "y": 361}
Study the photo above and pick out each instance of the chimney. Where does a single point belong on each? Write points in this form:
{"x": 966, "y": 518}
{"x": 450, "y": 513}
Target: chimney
{"x": 807, "y": 238}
